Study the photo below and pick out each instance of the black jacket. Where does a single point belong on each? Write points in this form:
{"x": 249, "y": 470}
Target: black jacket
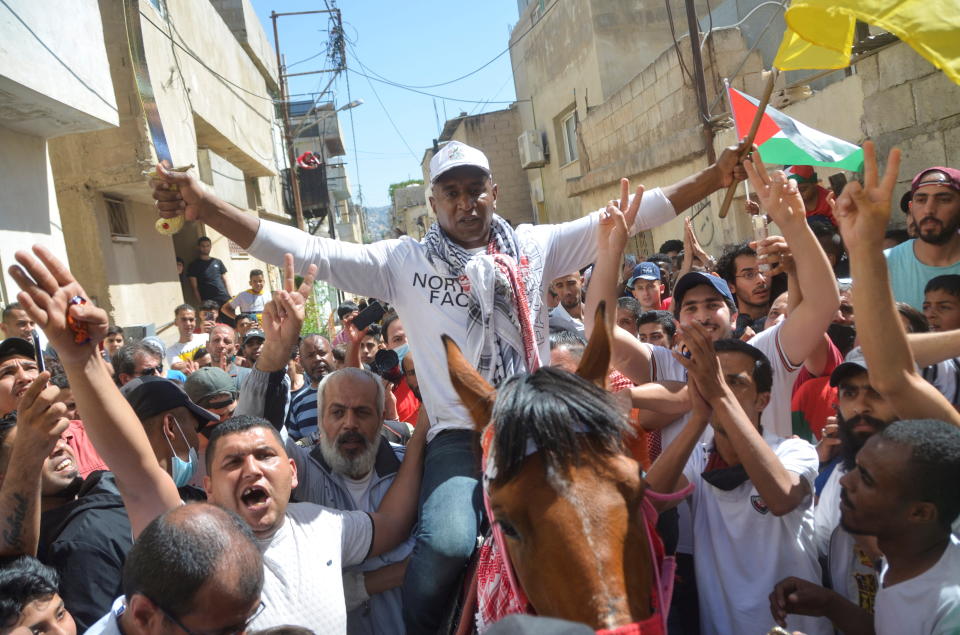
{"x": 86, "y": 541}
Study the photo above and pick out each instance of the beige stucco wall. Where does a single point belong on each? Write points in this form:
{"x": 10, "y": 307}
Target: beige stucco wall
{"x": 54, "y": 80}
{"x": 54, "y": 75}
{"x": 28, "y": 207}
{"x": 136, "y": 277}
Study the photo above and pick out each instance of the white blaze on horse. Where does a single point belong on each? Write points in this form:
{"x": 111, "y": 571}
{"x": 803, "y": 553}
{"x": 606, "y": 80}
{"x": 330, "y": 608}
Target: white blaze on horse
{"x": 568, "y": 499}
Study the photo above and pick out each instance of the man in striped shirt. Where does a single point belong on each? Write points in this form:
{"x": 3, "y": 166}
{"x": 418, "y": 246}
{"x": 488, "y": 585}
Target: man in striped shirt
{"x": 316, "y": 358}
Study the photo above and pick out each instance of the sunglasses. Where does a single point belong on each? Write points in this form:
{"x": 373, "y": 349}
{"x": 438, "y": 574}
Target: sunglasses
{"x": 152, "y": 370}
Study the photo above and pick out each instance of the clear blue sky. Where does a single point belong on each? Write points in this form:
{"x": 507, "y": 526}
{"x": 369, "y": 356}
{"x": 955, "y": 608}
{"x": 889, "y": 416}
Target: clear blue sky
{"x": 415, "y": 43}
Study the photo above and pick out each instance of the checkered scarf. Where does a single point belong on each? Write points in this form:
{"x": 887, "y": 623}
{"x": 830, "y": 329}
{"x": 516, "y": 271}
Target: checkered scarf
{"x": 500, "y": 340}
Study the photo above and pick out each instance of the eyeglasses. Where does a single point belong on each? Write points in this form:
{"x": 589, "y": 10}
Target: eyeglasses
{"x": 751, "y": 274}
{"x": 152, "y": 370}
{"x": 228, "y": 630}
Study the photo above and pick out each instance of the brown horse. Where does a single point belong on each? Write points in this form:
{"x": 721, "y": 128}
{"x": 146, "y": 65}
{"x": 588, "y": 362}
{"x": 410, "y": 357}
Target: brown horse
{"x": 566, "y": 495}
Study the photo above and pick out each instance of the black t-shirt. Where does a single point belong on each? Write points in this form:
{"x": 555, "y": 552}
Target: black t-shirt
{"x": 209, "y": 282}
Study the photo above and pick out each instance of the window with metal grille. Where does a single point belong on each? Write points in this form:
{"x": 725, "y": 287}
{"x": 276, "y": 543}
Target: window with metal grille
{"x": 117, "y": 217}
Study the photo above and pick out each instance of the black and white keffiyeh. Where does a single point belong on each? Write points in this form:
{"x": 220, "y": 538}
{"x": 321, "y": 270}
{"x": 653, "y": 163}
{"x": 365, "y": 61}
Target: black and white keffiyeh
{"x": 496, "y": 343}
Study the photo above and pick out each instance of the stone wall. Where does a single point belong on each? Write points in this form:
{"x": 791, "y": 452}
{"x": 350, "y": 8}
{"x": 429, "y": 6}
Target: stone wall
{"x": 911, "y": 105}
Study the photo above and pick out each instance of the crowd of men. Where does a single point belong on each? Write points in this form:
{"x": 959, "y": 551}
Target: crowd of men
{"x": 251, "y": 477}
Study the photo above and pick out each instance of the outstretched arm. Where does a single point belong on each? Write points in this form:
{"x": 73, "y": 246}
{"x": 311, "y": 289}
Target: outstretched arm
{"x": 394, "y": 519}
{"x": 802, "y": 332}
{"x": 179, "y": 193}
{"x": 693, "y": 189}
{"x": 40, "y": 422}
{"x": 116, "y": 432}
{"x": 862, "y": 213}
{"x": 628, "y": 355}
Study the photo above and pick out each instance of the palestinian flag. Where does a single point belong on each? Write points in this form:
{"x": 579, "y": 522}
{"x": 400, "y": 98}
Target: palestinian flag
{"x": 785, "y": 140}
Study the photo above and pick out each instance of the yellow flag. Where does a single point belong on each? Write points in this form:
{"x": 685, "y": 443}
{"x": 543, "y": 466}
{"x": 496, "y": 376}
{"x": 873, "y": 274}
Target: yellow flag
{"x": 820, "y": 32}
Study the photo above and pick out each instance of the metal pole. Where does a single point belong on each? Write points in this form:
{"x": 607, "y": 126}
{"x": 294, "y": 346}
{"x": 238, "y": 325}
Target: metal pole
{"x": 699, "y": 84}
{"x": 285, "y": 108}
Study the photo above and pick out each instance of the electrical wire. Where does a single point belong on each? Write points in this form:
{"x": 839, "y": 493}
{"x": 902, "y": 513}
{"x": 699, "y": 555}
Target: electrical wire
{"x": 763, "y": 32}
{"x": 420, "y": 92}
{"x": 200, "y": 61}
{"x": 387, "y": 113}
{"x": 676, "y": 42}
{"x": 473, "y": 72}
{"x": 111, "y": 105}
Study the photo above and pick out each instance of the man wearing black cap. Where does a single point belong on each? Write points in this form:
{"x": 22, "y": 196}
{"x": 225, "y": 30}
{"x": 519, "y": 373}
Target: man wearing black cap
{"x": 18, "y": 367}
{"x": 934, "y": 207}
{"x": 172, "y": 423}
{"x": 252, "y": 343}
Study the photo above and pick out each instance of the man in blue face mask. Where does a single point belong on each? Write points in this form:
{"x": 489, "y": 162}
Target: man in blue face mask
{"x": 172, "y": 423}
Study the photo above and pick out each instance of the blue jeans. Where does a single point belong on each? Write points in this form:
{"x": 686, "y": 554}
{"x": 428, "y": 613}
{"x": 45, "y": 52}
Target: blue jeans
{"x": 450, "y": 516}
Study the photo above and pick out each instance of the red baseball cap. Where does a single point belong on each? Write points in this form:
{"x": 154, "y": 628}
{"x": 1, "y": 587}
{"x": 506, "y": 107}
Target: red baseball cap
{"x": 948, "y": 177}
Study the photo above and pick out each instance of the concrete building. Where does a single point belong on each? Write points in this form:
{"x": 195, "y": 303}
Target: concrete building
{"x": 410, "y": 213}
{"x": 496, "y": 134}
{"x": 315, "y": 128}
{"x": 601, "y": 113}
{"x": 214, "y": 84}
{"x": 54, "y": 80}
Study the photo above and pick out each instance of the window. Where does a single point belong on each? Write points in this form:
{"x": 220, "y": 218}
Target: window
{"x": 117, "y": 218}
{"x": 568, "y": 128}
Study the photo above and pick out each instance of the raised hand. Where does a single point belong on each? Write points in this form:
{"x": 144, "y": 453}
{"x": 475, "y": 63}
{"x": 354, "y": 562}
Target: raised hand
{"x": 58, "y": 304}
{"x": 617, "y": 218}
{"x": 778, "y": 195}
{"x": 284, "y": 315}
{"x": 862, "y": 212}
{"x": 40, "y": 418}
{"x": 179, "y": 193}
{"x": 729, "y": 167}
{"x": 775, "y": 252}
{"x": 702, "y": 366}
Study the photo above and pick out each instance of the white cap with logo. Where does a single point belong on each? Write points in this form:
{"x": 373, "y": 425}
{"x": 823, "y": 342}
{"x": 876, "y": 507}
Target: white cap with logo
{"x": 454, "y": 155}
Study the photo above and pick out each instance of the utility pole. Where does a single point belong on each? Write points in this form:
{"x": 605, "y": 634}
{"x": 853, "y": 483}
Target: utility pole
{"x": 284, "y": 104}
{"x": 693, "y": 27}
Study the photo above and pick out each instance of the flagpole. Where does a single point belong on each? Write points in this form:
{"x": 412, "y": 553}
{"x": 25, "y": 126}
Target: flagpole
{"x": 736, "y": 128}
{"x": 757, "y": 118}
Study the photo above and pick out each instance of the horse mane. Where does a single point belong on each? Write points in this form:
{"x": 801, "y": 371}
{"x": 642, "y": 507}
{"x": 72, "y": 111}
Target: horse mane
{"x": 562, "y": 414}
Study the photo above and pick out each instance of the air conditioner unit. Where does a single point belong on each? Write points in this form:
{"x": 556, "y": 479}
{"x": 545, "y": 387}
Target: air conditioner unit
{"x": 531, "y": 150}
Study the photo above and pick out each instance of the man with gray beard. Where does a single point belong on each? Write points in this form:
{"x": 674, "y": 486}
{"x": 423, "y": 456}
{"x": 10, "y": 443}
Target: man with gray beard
{"x": 350, "y": 468}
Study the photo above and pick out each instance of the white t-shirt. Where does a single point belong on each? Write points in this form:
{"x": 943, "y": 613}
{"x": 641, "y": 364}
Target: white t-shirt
{"x": 247, "y": 302}
{"x": 175, "y": 350}
{"x": 302, "y": 567}
{"x": 429, "y": 300}
{"x": 742, "y": 549}
{"x": 359, "y": 489}
{"x": 928, "y": 604}
{"x": 826, "y": 515}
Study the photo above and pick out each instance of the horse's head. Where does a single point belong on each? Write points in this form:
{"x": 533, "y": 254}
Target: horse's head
{"x": 566, "y": 496}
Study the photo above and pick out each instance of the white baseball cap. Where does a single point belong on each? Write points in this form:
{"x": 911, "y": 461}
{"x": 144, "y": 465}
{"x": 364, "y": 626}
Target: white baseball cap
{"x": 454, "y": 155}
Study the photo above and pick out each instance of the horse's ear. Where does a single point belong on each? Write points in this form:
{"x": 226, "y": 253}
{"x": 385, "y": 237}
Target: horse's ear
{"x": 474, "y": 391}
{"x": 595, "y": 363}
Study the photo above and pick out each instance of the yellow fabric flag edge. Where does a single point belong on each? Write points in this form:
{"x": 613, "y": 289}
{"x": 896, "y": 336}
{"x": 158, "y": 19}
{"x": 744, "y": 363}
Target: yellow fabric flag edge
{"x": 803, "y": 15}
